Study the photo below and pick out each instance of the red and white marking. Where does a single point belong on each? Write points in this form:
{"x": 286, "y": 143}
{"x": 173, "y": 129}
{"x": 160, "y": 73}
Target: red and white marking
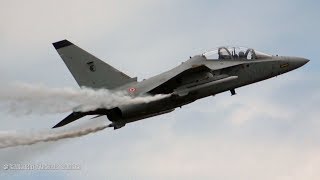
{"x": 132, "y": 90}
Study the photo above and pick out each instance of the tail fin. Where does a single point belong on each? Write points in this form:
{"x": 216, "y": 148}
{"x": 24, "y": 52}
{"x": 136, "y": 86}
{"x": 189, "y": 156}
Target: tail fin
{"x": 88, "y": 70}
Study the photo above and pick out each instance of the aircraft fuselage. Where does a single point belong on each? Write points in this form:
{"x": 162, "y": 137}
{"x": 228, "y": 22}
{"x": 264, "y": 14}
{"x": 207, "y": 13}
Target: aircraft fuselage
{"x": 239, "y": 72}
{"x": 211, "y": 73}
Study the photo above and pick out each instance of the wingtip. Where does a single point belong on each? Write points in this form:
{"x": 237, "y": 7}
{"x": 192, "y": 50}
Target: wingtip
{"x": 62, "y": 44}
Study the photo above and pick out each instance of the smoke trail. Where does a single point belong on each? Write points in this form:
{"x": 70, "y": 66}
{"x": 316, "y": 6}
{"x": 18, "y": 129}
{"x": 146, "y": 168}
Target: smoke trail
{"x": 12, "y": 138}
{"x": 28, "y": 99}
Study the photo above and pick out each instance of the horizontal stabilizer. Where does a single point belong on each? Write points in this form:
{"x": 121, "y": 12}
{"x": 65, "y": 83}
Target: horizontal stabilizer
{"x": 77, "y": 115}
{"x": 72, "y": 117}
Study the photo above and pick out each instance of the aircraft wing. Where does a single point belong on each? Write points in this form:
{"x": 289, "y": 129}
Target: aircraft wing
{"x": 172, "y": 80}
{"x": 167, "y": 82}
{"x": 185, "y": 90}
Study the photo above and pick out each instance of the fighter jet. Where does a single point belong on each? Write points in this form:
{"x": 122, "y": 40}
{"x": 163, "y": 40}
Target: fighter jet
{"x": 207, "y": 74}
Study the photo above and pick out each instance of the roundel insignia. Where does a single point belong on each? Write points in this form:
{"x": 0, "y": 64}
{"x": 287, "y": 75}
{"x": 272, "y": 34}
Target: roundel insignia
{"x": 132, "y": 90}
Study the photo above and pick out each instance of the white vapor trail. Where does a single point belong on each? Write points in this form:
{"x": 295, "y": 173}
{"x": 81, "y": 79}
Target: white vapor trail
{"x": 30, "y": 98}
{"x": 38, "y": 99}
{"x": 13, "y": 138}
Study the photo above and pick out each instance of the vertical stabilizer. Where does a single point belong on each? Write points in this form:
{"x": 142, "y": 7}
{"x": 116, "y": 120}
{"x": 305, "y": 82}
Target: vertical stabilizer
{"x": 88, "y": 70}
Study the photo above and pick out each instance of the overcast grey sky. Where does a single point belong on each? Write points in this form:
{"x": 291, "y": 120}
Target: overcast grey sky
{"x": 270, "y": 130}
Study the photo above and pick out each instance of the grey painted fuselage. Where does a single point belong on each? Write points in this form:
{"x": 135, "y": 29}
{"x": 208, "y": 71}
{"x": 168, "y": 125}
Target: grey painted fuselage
{"x": 243, "y": 71}
{"x": 198, "y": 77}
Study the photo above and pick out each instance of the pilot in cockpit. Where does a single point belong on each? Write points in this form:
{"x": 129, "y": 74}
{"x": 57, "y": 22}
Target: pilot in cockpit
{"x": 242, "y": 54}
{"x": 225, "y": 53}
{"x": 234, "y": 54}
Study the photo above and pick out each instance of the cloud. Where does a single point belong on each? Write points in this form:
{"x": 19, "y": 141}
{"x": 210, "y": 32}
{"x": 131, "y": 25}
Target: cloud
{"x": 177, "y": 157}
{"x": 45, "y": 20}
{"x": 268, "y": 131}
{"x": 157, "y": 149}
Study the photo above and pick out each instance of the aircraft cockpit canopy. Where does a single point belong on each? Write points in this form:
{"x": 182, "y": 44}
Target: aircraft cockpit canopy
{"x": 235, "y": 53}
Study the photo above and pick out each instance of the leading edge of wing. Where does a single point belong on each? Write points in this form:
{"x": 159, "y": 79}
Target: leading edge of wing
{"x": 168, "y": 84}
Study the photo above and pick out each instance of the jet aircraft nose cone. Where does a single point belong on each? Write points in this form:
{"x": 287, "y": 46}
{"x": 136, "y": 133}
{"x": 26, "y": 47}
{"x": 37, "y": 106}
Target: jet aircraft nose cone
{"x": 298, "y": 62}
{"x": 303, "y": 61}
